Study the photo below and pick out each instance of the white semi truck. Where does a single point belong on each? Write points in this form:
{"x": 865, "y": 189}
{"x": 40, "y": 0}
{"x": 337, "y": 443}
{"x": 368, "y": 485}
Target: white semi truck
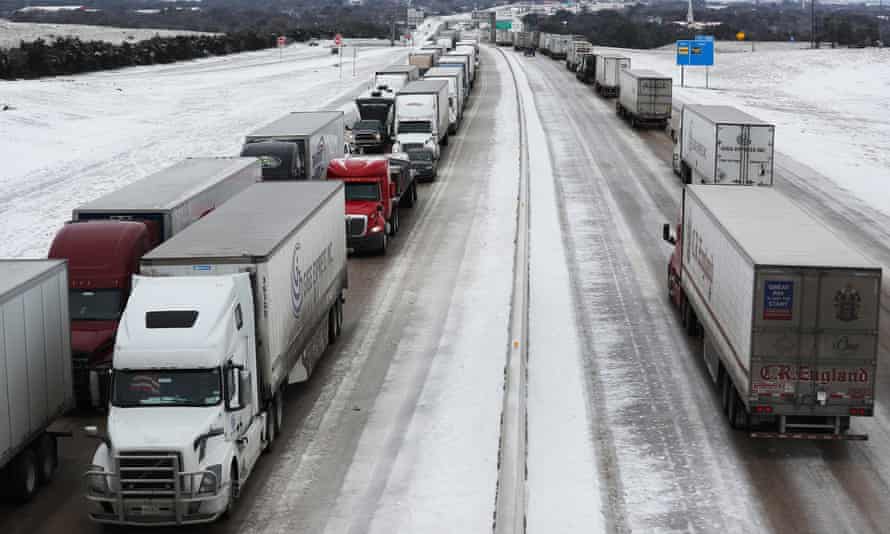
{"x": 35, "y": 371}
{"x": 723, "y": 145}
{"x": 223, "y": 317}
{"x": 644, "y": 97}
{"x": 608, "y": 73}
{"x": 422, "y": 116}
{"x": 454, "y": 77}
{"x": 788, "y": 311}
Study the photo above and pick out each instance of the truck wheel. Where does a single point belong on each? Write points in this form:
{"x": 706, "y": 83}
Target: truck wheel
{"x": 409, "y": 197}
{"x": 725, "y": 390}
{"x": 234, "y": 490}
{"x": 271, "y": 431}
{"x": 396, "y": 221}
{"x": 445, "y": 141}
{"x": 332, "y": 324}
{"x": 279, "y": 411}
{"x": 738, "y": 417}
{"x": 25, "y": 477}
{"x": 47, "y": 457}
{"x": 383, "y": 244}
{"x": 339, "y": 317}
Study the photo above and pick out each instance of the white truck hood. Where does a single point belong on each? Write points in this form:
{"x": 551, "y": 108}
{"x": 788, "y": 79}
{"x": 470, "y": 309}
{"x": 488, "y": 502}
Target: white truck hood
{"x": 160, "y": 428}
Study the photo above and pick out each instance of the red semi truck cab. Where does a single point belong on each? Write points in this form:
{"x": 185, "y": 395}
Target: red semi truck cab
{"x": 377, "y": 187}
{"x": 371, "y": 213}
{"x": 102, "y": 257}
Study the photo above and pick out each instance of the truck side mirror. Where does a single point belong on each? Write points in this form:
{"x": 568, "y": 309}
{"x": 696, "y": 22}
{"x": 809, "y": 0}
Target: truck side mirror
{"x": 234, "y": 390}
{"x": 666, "y": 234}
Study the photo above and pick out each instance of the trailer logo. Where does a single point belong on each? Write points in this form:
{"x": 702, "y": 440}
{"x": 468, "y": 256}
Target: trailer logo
{"x": 296, "y": 290}
{"x": 805, "y": 373}
{"x": 847, "y": 302}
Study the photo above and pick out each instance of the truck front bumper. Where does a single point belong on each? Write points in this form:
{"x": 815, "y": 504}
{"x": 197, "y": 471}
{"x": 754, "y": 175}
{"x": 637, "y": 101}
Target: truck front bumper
{"x": 370, "y": 242}
{"x": 177, "y": 506}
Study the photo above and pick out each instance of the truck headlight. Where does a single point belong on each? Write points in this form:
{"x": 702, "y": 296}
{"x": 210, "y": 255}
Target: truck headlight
{"x": 377, "y": 136}
{"x": 209, "y": 483}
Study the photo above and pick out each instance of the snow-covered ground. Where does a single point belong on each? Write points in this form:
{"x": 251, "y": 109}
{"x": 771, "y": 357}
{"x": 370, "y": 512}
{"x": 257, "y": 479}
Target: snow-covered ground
{"x": 830, "y": 107}
{"x": 11, "y": 33}
{"x": 70, "y": 139}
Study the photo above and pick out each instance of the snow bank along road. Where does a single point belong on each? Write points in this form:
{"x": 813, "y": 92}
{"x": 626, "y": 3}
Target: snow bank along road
{"x": 398, "y": 430}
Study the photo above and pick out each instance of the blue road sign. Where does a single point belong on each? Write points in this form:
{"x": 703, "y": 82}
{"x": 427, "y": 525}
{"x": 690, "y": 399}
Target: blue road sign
{"x": 704, "y": 37}
{"x": 695, "y": 53}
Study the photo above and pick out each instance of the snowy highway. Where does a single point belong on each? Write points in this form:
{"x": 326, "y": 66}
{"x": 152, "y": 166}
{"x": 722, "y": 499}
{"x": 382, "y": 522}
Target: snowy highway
{"x": 399, "y": 428}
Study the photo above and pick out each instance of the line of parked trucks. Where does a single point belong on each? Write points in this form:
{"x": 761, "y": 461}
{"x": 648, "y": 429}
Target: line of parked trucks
{"x": 787, "y": 311}
{"x": 186, "y": 302}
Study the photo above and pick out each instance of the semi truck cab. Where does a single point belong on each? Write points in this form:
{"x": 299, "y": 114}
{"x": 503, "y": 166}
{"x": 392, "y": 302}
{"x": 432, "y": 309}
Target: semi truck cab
{"x": 185, "y": 425}
{"x": 102, "y": 256}
{"x": 373, "y": 199}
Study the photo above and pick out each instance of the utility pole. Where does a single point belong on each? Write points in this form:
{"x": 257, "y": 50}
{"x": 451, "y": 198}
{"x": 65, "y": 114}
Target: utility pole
{"x": 690, "y": 20}
{"x": 813, "y": 23}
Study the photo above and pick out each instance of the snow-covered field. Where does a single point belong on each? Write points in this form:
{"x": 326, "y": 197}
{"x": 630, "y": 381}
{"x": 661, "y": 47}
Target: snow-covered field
{"x": 70, "y": 139}
{"x": 11, "y": 33}
{"x": 830, "y": 107}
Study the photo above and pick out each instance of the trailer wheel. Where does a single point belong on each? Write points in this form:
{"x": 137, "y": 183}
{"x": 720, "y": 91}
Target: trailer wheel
{"x": 339, "y": 317}
{"x": 25, "y": 476}
{"x": 725, "y": 390}
{"x": 279, "y": 411}
{"x": 332, "y": 324}
{"x": 445, "y": 141}
{"x": 409, "y": 196}
{"x": 47, "y": 457}
{"x": 271, "y": 433}
{"x": 738, "y": 417}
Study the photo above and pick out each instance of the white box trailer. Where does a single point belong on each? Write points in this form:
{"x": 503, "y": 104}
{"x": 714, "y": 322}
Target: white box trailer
{"x": 503, "y": 37}
{"x": 275, "y": 231}
{"x": 645, "y": 97}
{"x": 456, "y": 101}
{"x": 35, "y": 370}
{"x": 608, "y": 73}
{"x": 317, "y": 137}
{"x": 395, "y": 77}
{"x": 467, "y": 61}
{"x": 789, "y": 310}
{"x": 469, "y": 50}
{"x": 724, "y": 145}
{"x": 177, "y": 196}
{"x": 577, "y": 49}
{"x": 559, "y": 46}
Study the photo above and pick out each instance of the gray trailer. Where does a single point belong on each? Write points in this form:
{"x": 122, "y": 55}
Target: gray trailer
{"x": 608, "y": 73}
{"x": 175, "y": 197}
{"x": 395, "y": 77}
{"x": 318, "y": 137}
{"x": 35, "y": 370}
{"x": 723, "y": 145}
{"x": 788, "y": 310}
{"x": 503, "y": 37}
{"x": 644, "y": 98}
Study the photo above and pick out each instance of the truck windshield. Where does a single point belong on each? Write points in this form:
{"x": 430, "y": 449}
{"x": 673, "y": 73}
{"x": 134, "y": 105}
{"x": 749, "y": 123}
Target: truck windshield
{"x": 374, "y": 111}
{"x": 95, "y": 304}
{"x": 362, "y": 191}
{"x": 415, "y": 127}
{"x": 173, "y": 387}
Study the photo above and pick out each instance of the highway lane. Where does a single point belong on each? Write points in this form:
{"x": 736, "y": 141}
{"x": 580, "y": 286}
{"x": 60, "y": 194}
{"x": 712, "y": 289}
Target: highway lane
{"x": 667, "y": 458}
{"x": 403, "y": 312}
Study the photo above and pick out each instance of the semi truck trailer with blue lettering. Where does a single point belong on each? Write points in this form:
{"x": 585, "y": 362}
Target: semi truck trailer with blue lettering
{"x": 221, "y": 319}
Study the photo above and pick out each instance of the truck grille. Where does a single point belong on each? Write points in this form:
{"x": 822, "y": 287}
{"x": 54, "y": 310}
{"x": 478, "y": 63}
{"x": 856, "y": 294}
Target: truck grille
{"x": 355, "y": 225}
{"x": 366, "y": 139}
{"x": 148, "y": 474}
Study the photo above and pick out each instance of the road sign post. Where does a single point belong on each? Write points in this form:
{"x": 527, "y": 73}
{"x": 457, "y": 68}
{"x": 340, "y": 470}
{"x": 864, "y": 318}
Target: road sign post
{"x": 282, "y": 40}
